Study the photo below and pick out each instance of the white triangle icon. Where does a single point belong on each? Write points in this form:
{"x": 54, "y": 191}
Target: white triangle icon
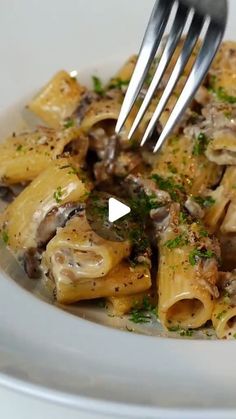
{"x": 116, "y": 210}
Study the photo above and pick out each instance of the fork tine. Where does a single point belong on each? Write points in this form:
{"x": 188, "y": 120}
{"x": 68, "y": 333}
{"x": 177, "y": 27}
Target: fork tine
{"x": 189, "y": 44}
{"x": 208, "y": 50}
{"x": 151, "y": 41}
{"x": 173, "y": 39}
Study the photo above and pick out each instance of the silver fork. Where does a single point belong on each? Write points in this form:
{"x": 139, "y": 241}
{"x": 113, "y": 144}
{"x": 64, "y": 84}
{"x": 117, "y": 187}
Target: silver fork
{"x": 198, "y": 14}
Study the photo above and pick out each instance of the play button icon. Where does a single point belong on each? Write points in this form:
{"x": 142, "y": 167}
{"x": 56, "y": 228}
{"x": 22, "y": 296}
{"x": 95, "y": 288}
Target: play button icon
{"x": 108, "y": 217}
{"x": 116, "y": 210}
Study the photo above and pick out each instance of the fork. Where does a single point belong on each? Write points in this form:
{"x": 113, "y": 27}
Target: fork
{"x": 197, "y": 16}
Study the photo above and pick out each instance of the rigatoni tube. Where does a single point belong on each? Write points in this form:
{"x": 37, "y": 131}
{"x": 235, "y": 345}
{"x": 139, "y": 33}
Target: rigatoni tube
{"x": 57, "y": 185}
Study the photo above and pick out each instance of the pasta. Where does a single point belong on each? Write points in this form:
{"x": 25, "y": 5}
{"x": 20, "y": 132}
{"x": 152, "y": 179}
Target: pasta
{"x": 24, "y": 156}
{"x": 171, "y": 259}
{"x": 58, "y": 185}
{"x": 77, "y": 255}
{"x": 118, "y": 306}
{"x": 58, "y": 100}
{"x": 186, "y": 282}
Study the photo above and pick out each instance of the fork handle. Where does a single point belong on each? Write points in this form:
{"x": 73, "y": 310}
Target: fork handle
{"x": 216, "y": 9}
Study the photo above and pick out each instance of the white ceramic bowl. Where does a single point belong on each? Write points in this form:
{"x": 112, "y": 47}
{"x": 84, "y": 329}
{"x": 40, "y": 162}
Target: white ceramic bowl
{"x": 47, "y": 352}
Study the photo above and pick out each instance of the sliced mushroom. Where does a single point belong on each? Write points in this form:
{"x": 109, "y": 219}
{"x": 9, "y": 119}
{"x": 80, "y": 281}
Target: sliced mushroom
{"x": 57, "y": 217}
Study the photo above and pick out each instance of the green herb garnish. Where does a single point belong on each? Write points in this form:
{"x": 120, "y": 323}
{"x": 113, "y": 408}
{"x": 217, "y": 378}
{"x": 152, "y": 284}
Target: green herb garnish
{"x": 182, "y": 332}
{"x": 118, "y": 83}
{"x": 73, "y": 171}
{"x": 100, "y": 207}
{"x": 148, "y": 306}
{"x": 69, "y": 123}
{"x": 203, "y": 233}
{"x": 221, "y": 314}
{"x": 144, "y": 314}
{"x": 186, "y": 332}
{"x": 205, "y": 202}
{"x": 174, "y": 329}
{"x": 138, "y": 316}
{"x": 178, "y": 241}
{"x": 142, "y": 205}
{"x": 175, "y": 190}
{"x": 196, "y": 254}
{"x": 19, "y": 147}
{"x": 234, "y": 335}
{"x": 172, "y": 168}
{"x": 139, "y": 240}
{"x": 220, "y": 92}
{"x": 97, "y": 86}
{"x": 5, "y": 237}
{"x": 224, "y": 96}
{"x": 200, "y": 144}
{"x": 182, "y": 217}
{"x": 228, "y": 115}
{"x": 58, "y": 195}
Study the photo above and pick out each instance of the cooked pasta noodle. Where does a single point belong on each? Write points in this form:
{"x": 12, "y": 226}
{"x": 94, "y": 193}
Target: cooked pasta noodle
{"x": 58, "y": 185}
{"x": 24, "y": 156}
{"x": 57, "y": 100}
{"x": 173, "y": 255}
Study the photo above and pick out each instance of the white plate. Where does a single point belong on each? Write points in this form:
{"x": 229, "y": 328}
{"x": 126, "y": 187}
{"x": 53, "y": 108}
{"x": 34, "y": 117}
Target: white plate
{"x": 45, "y": 351}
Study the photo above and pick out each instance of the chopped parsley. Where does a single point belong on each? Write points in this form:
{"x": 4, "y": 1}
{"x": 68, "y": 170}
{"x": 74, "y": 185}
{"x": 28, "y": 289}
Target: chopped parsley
{"x": 174, "y": 329}
{"x": 205, "y": 202}
{"x": 200, "y": 144}
{"x": 73, "y": 171}
{"x": 142, "y": 205}
{"x": 144, "y": 314}
{"x": 228, "y": 115}
{"x": 58, "y": 195}
{"x": 69, "y": 123}
{"x": 19, "y": 147}
{"x": 182, "y": 332}
{"x": 182, "y": 217}
{"x": 118, "y": 83}
{"x": 223, "y": 96}
{"x": 148, "y": 306}
{"x": 139, "y": 240}
{"x": 169, "y": 185}
{"x": 172, "y": 168}
{"x": 178, "y": 241}
{"x": 186, "y": 332}
{"x": 203, "y": 233}
{"x": 220, "y": 92}
{"x": 97, "y": 86}
{"x": 234, "y": 335}
{"x": 138, "y": 316}
{"x": 5, "y": 237}
{"x": 100, "y": 207}
{"x": 197, "y": 254}
{"x": 221, "y": 314}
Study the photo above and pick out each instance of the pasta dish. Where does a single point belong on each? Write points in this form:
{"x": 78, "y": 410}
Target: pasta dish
{"x": 171, "y": 258}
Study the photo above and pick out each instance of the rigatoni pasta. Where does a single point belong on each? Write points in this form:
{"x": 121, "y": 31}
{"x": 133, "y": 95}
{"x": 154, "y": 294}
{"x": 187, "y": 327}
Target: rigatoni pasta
{"x": 24, "y": 156}
{"x": 56, "y": 186}
{"x": 172, "y": 258}
{"x": 58, "y": 100}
